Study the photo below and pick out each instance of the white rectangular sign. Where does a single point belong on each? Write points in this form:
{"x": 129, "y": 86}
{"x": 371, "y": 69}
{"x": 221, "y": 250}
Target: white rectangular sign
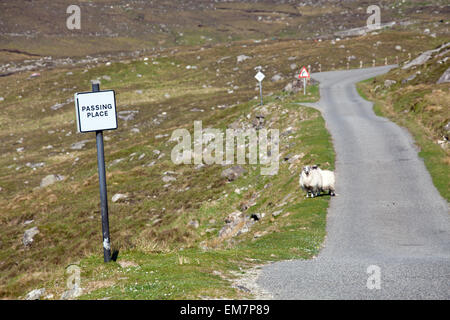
{"x": 96, "y": 111}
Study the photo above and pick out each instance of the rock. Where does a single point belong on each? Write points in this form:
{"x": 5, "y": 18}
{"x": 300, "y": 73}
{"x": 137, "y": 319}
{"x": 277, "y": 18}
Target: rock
{"x": 79, "y": 145}
{"x": 388, "y": 83}
{"x": 293, "y": 66}
{"x": 139, "y": 92}
{"x": 276, "y": 213}
{"x": 233, "y": 173}
{"x": 35, "y": 294}
{"x": 2, "y": 99}
{"x": 73, "y": 293}
{"x": 135, "y": 130}
{"x": 167, "y": 179}
{"x": 446, "y": 128}
{"x": 259, "y": 234}
{"x": 410, "y": 78}
{"x": 398, "y": 48}
{"x": 116, "y": 161}
{"x": 51, "y": 179}
{"x": 119, "y": 197}
{"x": 236, "y": 224}
{"x": 35, "y": 165}
{"x": 107, "y": 78}
{"x": 424, "y": 57}
{"x": 242, "y": 58}
{"x": 445, "y": 77}
{"x": 194, "y": 224}
{"x": 277, "y": 77}
{"x": 127, "y": 115}
{"x": 288, "y": 87}
{"x": 29, "y": 235}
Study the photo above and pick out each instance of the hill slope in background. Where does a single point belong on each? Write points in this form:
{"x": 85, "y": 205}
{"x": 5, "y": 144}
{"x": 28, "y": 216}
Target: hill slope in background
{"x": 39, "y": 27}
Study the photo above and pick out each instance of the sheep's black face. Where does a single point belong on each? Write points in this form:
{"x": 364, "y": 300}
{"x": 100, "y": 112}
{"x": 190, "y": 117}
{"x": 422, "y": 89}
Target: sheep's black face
{"x": 306, "y": 170}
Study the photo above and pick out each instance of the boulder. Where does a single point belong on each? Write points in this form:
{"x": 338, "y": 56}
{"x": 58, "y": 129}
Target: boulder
{"x": 35, "y": 294}
{"x": 51, "y": 179}
{"x": 242, "y": 58}
{"x": 388, "y": 83}
{"x": 194, "y": 224}
{"x": 73, "y": 293}
{"x": 277, "y": 78}
{"x": 119, "y": 197}
{"x": 233, "y": 173}
{"x": 445, "y": 77}
{"x": 236, "y": 223}
{"x": 29, "y": 235}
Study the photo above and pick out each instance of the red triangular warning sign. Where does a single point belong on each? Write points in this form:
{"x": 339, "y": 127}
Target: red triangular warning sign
{"x": 304, "y": 73}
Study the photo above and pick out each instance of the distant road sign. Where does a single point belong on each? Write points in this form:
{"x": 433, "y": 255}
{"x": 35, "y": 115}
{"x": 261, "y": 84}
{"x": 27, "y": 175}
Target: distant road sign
{"x": 304, "y": 73}
{"x": 260, "y": 76}
{"x": 96, "y": 111}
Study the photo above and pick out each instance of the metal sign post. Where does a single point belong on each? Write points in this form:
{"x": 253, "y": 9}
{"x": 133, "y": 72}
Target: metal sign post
{"x": 103, "y": 190}
{"x": 260, "y": 92}
{"x": 96, "y": 111}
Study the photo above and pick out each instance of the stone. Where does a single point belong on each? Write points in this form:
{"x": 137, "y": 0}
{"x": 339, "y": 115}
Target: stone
{"x": 167, "y": 179}
{"x": 242, "y": 58}
{"x": 446, "y": 128}
{"x": 277, "y": 77}
{"x": 35, "y": 294}
{"x": 398, "y": 48}
{"x": 194, "y": 224}
{"x": 445, "y": 77}
{"x": 410, "y": 78}
{"x": 127, "y": 115}
{"x": 79, "y": 145}
{"x": 277, "y": 213}
{"x": 119, "y": 197}
{"x": 388, "y": 83}
{"x": 73, "y": 293}
{"x": 29, "y": 235}
{"x": 51, "y": 179}
{"x": 236, "y": 223}
{"x": 233, "y": 173}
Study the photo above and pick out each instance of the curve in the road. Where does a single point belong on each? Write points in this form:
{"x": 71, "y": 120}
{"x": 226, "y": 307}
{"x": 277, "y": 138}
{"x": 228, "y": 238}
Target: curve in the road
{"x": 387, "y": 214}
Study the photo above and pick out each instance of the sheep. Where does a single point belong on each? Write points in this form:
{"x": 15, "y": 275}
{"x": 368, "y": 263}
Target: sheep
{"x": 311, "y": 181}
{"x": 328, "y": 180}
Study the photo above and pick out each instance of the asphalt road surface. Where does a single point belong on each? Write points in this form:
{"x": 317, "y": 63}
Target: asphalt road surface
{"x": 387, "y": 216}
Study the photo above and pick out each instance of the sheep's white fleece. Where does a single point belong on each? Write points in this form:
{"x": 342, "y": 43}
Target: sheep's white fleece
{"x": 328, "y": 180}
{"x": 311, "y": 183}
